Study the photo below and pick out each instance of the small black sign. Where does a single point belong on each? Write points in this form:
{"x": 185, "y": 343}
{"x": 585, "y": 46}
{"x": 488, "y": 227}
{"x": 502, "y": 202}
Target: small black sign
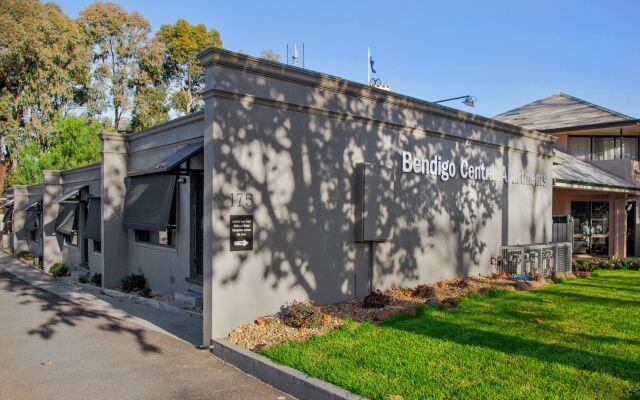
{"x": 241, "y": 232}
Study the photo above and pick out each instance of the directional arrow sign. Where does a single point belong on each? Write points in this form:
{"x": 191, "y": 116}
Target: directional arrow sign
{"x": 241, "y": 232}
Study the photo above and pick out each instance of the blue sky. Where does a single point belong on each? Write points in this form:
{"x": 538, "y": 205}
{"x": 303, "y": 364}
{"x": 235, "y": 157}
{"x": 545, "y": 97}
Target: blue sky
{"x": 506, "y": 53}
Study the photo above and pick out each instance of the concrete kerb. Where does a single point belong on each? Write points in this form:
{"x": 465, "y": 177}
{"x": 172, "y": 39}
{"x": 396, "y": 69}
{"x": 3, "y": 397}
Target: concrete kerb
{"x": 287, "y": 379}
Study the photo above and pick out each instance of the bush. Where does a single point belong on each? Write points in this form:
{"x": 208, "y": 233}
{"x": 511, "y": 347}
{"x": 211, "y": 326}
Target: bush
{"x": 96, "y": 279}
{"x": 376, "y": 300}
{"x": 59, "y": 269}
{"x": 146, "y": 292}
{"x": 301, "y": 314}
{"x": 83, "y": 279}
{"x": 133, "y": 283}
{"x": 584, "y": 264}
{"x": 26, "y": 255}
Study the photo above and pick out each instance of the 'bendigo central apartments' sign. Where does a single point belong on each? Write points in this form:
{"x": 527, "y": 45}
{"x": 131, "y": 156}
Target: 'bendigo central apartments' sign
{"x": 445, "y": 169}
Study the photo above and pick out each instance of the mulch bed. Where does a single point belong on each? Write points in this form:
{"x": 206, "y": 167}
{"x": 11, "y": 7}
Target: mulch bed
{"x": 271, "y": 330}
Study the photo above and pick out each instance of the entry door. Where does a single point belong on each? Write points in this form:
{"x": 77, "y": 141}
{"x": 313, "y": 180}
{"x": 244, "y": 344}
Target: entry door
{"x": 631, "y": 229}
{"x": 197, "y": 200}
{"x": 590, "y": 227}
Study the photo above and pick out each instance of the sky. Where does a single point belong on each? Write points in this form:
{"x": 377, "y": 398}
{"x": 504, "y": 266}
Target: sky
{"x": 505, "y": 53}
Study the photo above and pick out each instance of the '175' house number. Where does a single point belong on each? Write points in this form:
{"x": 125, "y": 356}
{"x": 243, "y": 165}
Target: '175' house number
{"x": 241, "y": 199}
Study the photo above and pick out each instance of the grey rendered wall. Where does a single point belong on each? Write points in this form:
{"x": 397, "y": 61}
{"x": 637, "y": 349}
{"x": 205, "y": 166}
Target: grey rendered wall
{"x": 292, "y": 139}
{"x": 166, "y": 269}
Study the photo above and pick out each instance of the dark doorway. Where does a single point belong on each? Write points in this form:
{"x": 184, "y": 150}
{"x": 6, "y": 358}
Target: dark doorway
{"x": 631, "y": 229}
{"x": 590, "y": 227}
{"x": 197, "y": 200}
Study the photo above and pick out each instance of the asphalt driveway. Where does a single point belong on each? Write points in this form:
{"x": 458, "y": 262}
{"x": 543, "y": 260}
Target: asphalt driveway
{"x": 51, "y": 348}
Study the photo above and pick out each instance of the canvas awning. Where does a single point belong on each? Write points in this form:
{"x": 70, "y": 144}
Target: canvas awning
{"x": 93, "y": 229}
{"x": 34, "y": 205}
{"x": 69, "y": 193}
{"x": 174, "y": 160}
{"x": 66, "y": 218}
{"x": 148, "y": 201}
{"x": 7, "y": 220}
{"x": 8, "y": 203}
{"x": 31, "y": 220}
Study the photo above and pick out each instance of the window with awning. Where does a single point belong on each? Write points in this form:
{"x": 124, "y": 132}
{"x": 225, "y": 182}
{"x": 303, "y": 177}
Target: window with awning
{"x": 66, "y": 219}
{"x": 7, "y": 220}
{"x": 148, "y": 202}
{"x": 94, "y": 219}
{"x": 71, "y": 194}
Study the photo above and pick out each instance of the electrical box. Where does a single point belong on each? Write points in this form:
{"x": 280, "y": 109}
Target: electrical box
{"x": 374, "y": 202}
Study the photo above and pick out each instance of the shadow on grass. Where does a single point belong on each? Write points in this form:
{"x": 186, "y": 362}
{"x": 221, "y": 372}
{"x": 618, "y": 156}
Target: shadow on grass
{"x": 437, "y": 328}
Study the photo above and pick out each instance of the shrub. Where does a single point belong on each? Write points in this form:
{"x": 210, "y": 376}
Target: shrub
{"x": 301, "y": 314}
{"x": 96, "y": 279}
{"x": 25, "y": 255}
{"x": 59, "y": 269}
{"x": 133, "y": 283}
{"x": 584, "y": 264}
{"x": 146, "y": 292}
{"x": 83, "y": 279}
{"x": 376, "y": 300}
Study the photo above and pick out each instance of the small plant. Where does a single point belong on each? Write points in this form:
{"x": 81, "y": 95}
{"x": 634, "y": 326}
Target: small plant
{"x": 301, "y": 314}
{"x": 145, "y": 292}
{"x": 96, "y": 279}
{"x": 10, "y": 250}
{"x": 133, "y": 283}
{"x": 59, "y": 269}
{"x": 83, "y": 279}
{"x": 376, "y": 299}
{"x": 25, "y": 255}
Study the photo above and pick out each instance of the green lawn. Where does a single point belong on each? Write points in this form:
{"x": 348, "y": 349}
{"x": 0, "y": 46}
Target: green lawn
{"x": 587, "y": 346}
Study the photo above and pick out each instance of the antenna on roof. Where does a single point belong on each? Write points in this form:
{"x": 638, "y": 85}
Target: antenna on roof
{"x": 295, "y": 58}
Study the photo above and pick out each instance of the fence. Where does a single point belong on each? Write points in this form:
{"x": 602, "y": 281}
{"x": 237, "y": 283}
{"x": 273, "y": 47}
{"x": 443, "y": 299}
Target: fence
{"x": 535, "y": 259}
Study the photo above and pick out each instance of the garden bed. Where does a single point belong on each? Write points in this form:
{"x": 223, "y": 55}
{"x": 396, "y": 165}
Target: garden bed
{"x": 271, "y": 330}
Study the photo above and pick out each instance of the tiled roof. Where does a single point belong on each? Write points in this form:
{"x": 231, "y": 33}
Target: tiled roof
{"x": 560, "y": 111}
{"x": 573, "y": 170}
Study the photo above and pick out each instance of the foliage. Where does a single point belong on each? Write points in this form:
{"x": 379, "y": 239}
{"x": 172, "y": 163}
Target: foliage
{"x": 25, "y": 255}
{"x": 75, "y": 143}
{"x": 124, "y": 57}
{"x": 583, "y": 344}
{"x": 376, "y": 299}
{"x": 83, "y": 279}
{"x": 44, "y": 66}
{"x": 182, "y": 43}
{"x": 591, "y": 264}
{"x": 59, "y": 269}
{"x": 133, "y": 283}
{"x": 270, "y": 55}
{"x": 150, "y": 107}
{"x": 145, "y": 292}
{"x": 301, "y": 314}
{"x": 96, "y": 279}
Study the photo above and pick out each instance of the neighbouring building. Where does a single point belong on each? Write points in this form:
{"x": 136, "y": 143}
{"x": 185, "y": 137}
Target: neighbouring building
{"x": 596, "y": 170}
{"x": 292, "y": 184}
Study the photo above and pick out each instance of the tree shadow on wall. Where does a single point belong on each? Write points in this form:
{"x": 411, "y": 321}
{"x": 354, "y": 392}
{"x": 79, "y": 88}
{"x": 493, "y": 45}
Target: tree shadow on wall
{"x": 296, "y": 150}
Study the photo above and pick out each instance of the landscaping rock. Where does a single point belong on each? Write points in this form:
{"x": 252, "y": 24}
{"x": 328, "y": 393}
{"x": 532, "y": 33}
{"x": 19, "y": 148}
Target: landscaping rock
{"x": 508, "y": 288}
{"x": 262, "y": 321}
{"x": 536, "y": 284}
{"x": 434, "y": 303}
{"x": 522, "y": 286}
{"x": 382, "y": 315}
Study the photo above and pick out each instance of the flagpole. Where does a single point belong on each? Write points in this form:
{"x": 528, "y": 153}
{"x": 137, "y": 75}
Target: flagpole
{"x": 368, "y": 65}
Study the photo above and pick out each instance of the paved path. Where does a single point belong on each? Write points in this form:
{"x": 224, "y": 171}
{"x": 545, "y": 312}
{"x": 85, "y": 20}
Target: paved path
{"x": 51, "y": 348}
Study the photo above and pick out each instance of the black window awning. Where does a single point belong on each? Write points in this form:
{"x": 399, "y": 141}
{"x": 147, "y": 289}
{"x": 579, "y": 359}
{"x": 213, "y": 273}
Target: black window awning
{"x": 71, "y": 194}
{"x": 8, "y": 203}
{"x": 147, "y": 204}
{"x": 35, "y": 205}
{"x": 7, "y": 220}
{"x": 66, "y": 218}
{"x": 31, "y": 220}
{"x": 174, "y": 160}
{"x": 93, "y": 227}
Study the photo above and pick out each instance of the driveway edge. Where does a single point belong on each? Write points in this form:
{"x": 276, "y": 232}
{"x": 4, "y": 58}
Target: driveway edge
{"x": 287, "y": 379}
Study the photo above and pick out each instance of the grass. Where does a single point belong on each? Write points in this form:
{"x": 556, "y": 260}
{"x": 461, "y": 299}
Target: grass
{"x": 587, "y": 346}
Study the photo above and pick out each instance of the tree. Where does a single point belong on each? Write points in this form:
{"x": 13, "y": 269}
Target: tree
{"x": 121, "y": 50}
{"x": 183, "y": 42}
{"x": 44, "y": 66}
{"x": 74, "y": 144}
{"x": 270, "y": 55}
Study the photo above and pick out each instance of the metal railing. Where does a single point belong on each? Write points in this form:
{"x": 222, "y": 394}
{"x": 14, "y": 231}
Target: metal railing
{"x": 535, "y": 259}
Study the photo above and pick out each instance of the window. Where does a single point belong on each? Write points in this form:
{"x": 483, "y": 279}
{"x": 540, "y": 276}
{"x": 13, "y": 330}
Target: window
{"x": 604, "y": 147}
{"x": 97, "y": 246}
{"x": 580, "y": 147}
{"x": 34, "y": 232}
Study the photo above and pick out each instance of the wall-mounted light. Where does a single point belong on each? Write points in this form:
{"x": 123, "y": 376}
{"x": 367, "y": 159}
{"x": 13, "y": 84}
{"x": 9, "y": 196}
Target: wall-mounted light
{"x": 468, "y": 100}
